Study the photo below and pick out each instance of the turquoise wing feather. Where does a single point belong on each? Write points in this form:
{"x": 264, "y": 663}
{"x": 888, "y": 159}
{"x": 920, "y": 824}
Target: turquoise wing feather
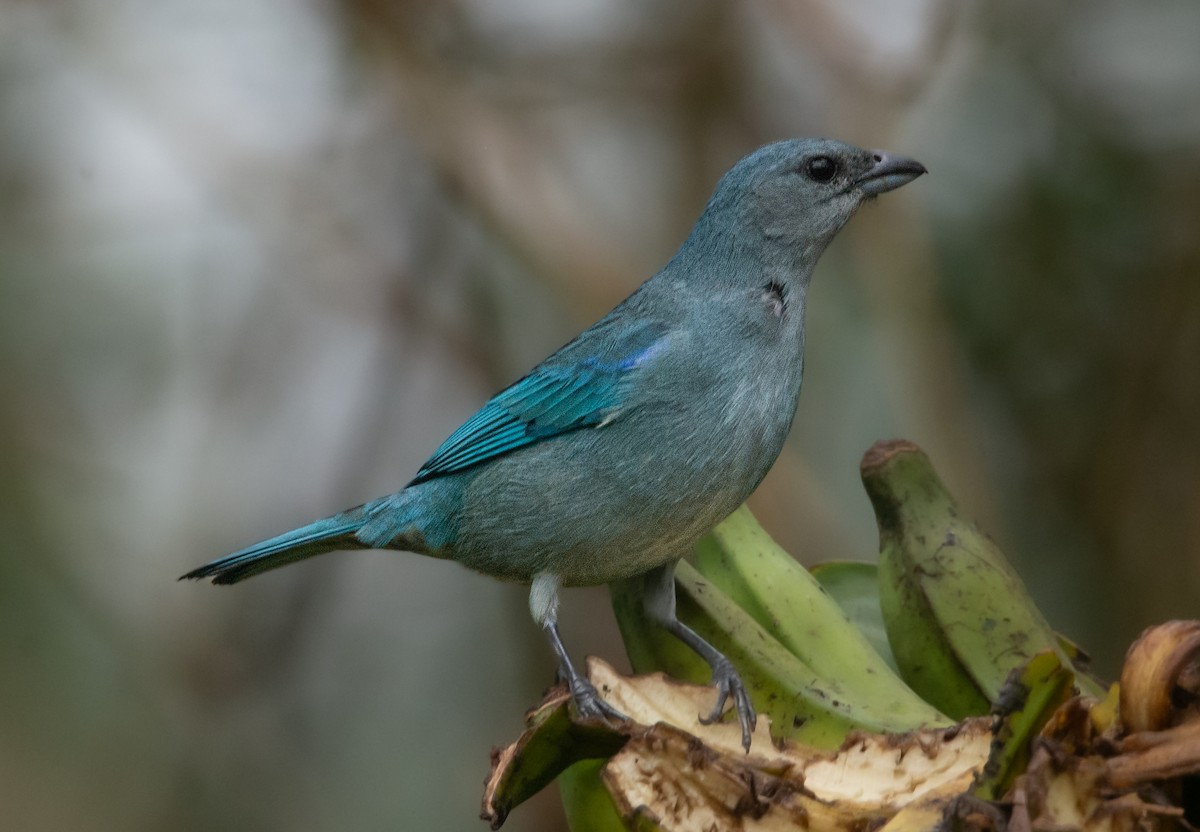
{"x": 567, "y": 393}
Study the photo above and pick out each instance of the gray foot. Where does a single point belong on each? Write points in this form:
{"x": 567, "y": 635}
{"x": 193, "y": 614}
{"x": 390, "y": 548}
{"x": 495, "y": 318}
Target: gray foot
{"x": 589, "y": 705}
{"x": 729, "y": 686}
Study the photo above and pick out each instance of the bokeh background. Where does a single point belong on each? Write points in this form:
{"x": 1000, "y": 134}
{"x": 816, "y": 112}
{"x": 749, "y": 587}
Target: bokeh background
{"x": 258, "y": 257}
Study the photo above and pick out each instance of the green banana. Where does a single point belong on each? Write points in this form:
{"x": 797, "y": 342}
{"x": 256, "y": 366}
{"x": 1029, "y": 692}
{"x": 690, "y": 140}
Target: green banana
{"x": 958, "y": 617}
{"x": 587, "y": 802}
{"x": 855, "y": 586}
{"x": 802, "y": 704}
{"x": 1035, "y": 694}
{"x": 742, "y": 560}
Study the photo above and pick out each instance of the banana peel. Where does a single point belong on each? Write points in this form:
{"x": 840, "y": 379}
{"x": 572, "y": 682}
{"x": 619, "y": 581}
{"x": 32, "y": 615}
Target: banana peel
{"x": 552, "y": 742}
{"x": 1032, "y": 696}
{"x": 1044, "y": 763}
{"x": 1161, "y": 677}
{"x": 1088, "y": 770}
{"x": 671, "y": 773}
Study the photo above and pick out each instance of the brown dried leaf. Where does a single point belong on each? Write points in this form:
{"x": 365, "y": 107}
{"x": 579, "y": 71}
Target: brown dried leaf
{"x": 1160, "y": 681}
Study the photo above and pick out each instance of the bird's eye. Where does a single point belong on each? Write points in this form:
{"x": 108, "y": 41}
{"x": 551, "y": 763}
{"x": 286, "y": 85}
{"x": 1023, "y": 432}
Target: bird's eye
{"x": 821, "y": 169}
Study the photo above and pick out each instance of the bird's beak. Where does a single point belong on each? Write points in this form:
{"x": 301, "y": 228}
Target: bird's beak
{"x": 889, "y": 173}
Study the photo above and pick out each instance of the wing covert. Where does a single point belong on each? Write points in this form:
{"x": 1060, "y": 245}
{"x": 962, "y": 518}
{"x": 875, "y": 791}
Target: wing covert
{"x": 563, "y": 394}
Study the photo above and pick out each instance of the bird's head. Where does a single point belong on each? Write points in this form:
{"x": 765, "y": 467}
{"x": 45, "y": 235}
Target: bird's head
{"x": 796, "y": 195}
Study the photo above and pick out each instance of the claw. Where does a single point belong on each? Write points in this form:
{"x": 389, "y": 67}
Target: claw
{"x": 589, "y": 705}
{"x": 729, "y": 685}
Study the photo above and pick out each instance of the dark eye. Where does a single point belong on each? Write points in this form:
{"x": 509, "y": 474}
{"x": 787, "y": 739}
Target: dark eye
{"x": 821, "y": 169}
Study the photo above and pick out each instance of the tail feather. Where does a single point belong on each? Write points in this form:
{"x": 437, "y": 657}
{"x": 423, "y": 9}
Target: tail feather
{"x": 327, "y": 535}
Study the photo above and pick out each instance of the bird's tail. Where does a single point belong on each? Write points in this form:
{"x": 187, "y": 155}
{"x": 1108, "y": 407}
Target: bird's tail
{"x": 327, "y": 535}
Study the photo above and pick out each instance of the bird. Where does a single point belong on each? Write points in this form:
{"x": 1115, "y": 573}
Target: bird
{"x": 611, "y": 458}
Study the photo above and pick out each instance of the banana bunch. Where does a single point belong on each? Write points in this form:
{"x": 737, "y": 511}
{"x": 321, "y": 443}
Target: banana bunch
{"x": 741, "y": 560}
{"x": 958, "y": 619}
{"x": 899, "y": 655}
{"x": 810, "y": 698}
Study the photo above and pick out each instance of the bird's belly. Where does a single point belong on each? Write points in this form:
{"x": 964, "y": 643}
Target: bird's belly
{"x": 603, "y": 504}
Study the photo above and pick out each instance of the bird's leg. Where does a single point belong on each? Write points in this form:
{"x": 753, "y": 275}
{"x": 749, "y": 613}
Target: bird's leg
{"x": 543, "y": 604}
{"x": 659, "y": 604}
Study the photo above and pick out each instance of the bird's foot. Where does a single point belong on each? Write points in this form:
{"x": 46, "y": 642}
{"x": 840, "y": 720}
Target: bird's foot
{"x": 589, "y": 705}
{"x": 729, "y": 686}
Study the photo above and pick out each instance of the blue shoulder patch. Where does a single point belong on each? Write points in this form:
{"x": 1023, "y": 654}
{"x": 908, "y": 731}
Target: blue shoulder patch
{"x": 567, "y": 392}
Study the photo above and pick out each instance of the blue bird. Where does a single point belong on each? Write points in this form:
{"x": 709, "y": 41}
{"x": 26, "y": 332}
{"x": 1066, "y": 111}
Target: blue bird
{"x": 612, "y": 457}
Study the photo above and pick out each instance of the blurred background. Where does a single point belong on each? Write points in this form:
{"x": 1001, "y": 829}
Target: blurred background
{"x": 259, "y": 257}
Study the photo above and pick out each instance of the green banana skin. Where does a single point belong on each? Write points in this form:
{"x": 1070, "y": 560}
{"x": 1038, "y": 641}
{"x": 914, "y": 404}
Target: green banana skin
{"x": 803, "y": 706}
{"x": 959, "y": 619}
{"x": 927, "y": 658}
{"x": 586, "y": 800}
{"x": 854, "y": 584}
{"x": 741, "y": 559}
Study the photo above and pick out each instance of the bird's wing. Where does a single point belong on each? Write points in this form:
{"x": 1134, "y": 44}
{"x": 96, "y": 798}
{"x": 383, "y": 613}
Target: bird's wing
{"x": 576, "y": 388}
